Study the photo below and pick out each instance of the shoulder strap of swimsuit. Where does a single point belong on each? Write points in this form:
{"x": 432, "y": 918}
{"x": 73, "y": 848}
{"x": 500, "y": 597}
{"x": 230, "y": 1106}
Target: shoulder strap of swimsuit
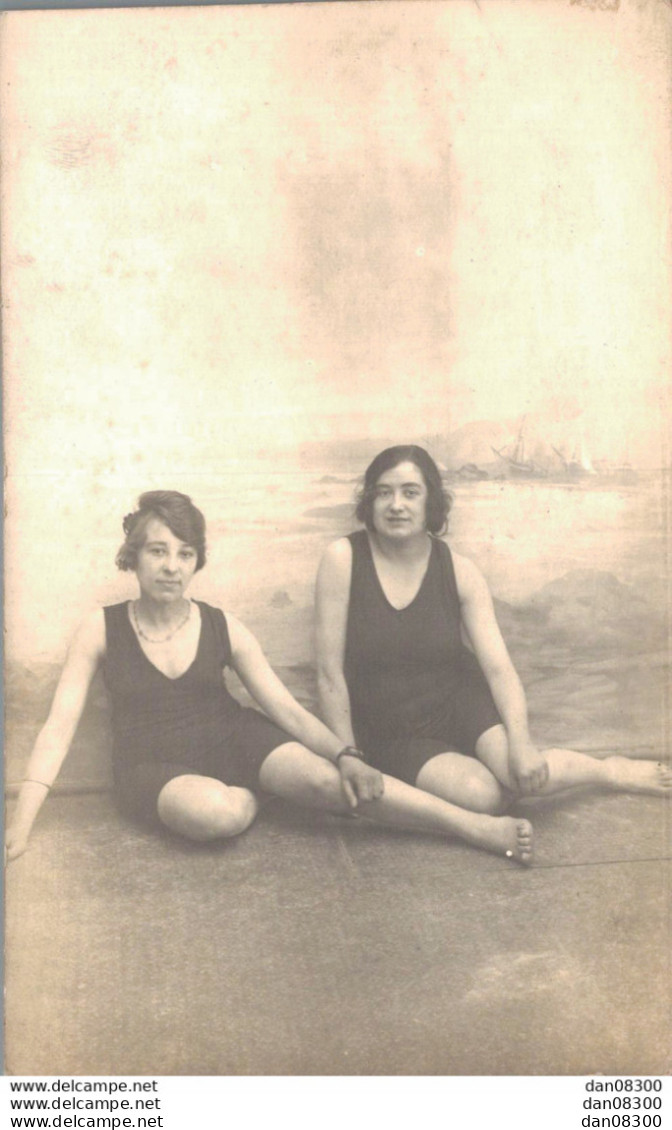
{"x": 116, "y": 617}
{"x": 361, "y": 555}
{"x": 447, "y": 572}
{"x": 358, "y": 540}
{"x": 216, "y": 621}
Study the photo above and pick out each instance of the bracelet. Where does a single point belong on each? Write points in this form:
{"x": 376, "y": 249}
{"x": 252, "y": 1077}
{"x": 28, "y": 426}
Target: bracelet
{"x": 32, "y": 781}
{"x": 349, "y": 751}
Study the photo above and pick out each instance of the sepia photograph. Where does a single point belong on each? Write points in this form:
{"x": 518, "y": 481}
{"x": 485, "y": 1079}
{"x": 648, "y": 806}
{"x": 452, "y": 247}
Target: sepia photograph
{"x": 336, "y": 345}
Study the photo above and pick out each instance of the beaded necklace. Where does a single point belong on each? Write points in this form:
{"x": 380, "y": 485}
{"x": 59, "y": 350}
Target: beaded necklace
{"x": 164, "y": 639}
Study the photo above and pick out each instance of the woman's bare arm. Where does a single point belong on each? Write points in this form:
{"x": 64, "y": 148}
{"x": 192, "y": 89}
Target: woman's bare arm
{"x": 272, "y": 695}
{"x": 332, "y": 595}
{"x": 55, "y": 737}
{"x": 360, "y": 782}
{"x": 528, "y": 767}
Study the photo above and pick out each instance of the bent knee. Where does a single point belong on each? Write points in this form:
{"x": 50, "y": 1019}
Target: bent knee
{"x": 498, "y": 795}
{"x": 327, "y": 789}
{"x": 486, "y": 796}
{"x": 292, "y": 771}
{"x": 494, "y": 801}
{"x": 321, "y": 785}
{"x": 202, "y": 808}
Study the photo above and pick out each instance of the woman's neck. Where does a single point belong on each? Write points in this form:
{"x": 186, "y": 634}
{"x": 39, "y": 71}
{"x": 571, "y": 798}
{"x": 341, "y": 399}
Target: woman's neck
{"x": 411, "y": 549}
{"x": 159, "y": 614}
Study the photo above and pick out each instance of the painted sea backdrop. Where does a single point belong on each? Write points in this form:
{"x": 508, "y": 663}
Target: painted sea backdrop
{"x": 577, "y": 569}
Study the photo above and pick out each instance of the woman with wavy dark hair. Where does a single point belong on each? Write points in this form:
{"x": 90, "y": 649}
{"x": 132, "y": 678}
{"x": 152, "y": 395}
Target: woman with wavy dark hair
{"x": 413, "y": 671}
{"x": 187, "y": 755}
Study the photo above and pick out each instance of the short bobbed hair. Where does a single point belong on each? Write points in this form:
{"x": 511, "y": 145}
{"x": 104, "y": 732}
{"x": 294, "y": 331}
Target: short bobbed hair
{"x": 439, "y": 500}
{"x": 176, "y": 511}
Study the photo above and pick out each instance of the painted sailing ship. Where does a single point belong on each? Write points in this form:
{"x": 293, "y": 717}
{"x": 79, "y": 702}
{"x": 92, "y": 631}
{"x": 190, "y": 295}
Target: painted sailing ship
{"x": 518, "y": 463}
{"x": 579, "y": 464}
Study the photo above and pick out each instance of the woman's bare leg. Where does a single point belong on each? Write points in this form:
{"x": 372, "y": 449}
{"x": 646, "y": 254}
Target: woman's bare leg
{"x": 203, "y": 808}
{"x": 464, "y": 781}
{"x": 568, "y": 769}
{"x": 294, "y": 773}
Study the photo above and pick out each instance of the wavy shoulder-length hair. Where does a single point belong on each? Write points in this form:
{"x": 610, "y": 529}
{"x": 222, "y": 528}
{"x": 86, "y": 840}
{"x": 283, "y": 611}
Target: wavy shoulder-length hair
{"x": 176, "y": 511}
{"x": 439, "y": 500}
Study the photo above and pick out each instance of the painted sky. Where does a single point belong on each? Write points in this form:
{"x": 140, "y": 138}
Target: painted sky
{"x": 234, "y": 229}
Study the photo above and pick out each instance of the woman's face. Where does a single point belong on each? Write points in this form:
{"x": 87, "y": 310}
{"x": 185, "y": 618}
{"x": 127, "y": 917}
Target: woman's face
{"x": 400, "y": 503}
{"x": 165, "y": 564}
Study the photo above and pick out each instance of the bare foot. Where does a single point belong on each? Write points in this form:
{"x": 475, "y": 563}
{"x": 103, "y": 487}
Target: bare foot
{"x": 505, "y": 835}
{"x": 632, "y": 776}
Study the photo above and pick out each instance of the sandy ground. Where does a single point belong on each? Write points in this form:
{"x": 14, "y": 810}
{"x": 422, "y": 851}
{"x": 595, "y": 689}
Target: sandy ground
{"x": 319, "y": 945}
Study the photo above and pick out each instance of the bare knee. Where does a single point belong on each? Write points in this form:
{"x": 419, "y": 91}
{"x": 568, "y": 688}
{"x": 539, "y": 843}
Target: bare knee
{"x": 325, "y": 788}
{"x": 317, "y": 783}
{"x": 491, "y": 798}
{"x": 202, "y": 808}
{"x": 485, "y": 794}
{"x": 291, "y": 771}
{"x": 465, "y": 782}
{"x": 498, "y": 795}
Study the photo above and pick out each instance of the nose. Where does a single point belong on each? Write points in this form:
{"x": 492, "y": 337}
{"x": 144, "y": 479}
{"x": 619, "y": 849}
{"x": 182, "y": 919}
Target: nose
{"x": 397, "y": 502}
{"x": 170, "y": 565}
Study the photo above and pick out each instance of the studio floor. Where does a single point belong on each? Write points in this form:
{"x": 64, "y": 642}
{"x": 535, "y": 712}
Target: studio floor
{"x": 320, "y": 945}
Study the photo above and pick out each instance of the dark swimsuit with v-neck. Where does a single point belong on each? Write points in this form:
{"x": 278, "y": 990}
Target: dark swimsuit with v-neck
{"x": 415, "y": 689}
{"x": 163, "y": 727}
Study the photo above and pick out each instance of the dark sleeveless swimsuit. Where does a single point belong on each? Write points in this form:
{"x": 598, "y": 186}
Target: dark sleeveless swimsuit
{"x": 163, "y": 728}
{"x": 415, "y": 689}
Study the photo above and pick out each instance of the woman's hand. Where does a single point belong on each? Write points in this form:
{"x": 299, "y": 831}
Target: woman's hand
{"x": 528, "y": 767}
{"x": 359, "y": 780}
{"x": 15, "y": 844}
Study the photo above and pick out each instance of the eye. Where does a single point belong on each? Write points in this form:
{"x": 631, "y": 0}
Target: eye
{"x": 187, "y": 554}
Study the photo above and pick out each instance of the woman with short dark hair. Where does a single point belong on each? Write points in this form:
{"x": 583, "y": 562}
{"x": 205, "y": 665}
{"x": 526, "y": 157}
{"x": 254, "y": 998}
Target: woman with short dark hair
{"x": 187, "y": 755}
{"x": 412, "y": 667}
{"x": 176, "y": 511}
{"x": 438, "y": 502}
